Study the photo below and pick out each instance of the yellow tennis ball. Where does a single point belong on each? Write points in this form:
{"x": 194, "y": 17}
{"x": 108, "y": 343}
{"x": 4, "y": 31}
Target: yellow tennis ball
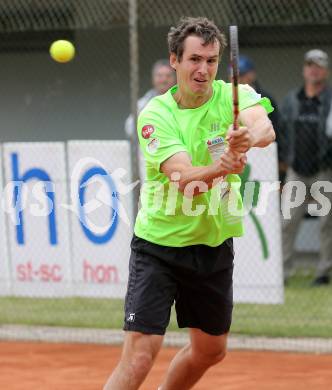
{"x": 62, "y": 51}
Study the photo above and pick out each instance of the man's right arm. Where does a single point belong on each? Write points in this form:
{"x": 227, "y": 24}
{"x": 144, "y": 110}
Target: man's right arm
{"x": 179, "y": 168}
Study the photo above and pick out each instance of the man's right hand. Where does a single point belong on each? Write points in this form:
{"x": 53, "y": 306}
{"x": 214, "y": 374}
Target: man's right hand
{"x": 232, "y": 162}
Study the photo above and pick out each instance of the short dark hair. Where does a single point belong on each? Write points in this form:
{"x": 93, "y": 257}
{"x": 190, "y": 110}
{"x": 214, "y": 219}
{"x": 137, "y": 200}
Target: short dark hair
{"x": 200, "y": 27}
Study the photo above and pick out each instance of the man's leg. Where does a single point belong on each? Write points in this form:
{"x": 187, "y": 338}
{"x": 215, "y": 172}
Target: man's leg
{"x": 192, "y": 361}
{"x": 325, "y": 263}
{"x": 291, "y": 225}
{"x": 138, "y": 354}
{"x": 150, "y": 295}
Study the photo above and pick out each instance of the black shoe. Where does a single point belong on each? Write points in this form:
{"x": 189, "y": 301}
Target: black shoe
{"x": 321, "y": 280}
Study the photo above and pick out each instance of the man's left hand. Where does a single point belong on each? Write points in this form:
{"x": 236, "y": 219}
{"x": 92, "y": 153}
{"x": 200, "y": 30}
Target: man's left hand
{"x": 240, "y": 140}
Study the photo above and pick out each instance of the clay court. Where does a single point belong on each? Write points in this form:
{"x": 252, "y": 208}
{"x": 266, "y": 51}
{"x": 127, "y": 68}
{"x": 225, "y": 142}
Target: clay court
{"x": 43, "y": 366}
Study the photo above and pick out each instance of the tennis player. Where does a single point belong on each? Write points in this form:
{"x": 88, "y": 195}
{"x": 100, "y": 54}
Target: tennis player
{"x": 182, "y": 249}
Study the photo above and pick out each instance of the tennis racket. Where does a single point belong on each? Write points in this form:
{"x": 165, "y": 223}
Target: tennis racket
{"x": 234, "y": 57}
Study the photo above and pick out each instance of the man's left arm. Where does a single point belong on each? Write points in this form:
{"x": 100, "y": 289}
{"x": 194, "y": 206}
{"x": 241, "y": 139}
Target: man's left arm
{"x": 256, "y": 130}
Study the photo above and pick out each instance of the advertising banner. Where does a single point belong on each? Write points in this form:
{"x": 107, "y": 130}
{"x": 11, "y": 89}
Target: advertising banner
{"x": 4, "y": 260}
{"x": 37, "y": 222}
{"x": 101, "y": 216}
{"x": 258, "y": 274}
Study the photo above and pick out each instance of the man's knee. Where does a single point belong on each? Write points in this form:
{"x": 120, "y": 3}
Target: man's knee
{"x": 207, "y": 350}
{"x": 209, "y": 357}
{"x": 140, "y": 352}
{"x": 141, "y": 362}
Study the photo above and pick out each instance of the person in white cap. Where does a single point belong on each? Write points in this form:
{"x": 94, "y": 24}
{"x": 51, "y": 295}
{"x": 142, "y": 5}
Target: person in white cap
{"x": 307, "y": 153}
{"x": 162, "y": 78}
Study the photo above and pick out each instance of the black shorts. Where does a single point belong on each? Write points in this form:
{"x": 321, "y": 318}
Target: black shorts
{"x": 198, "y": 278}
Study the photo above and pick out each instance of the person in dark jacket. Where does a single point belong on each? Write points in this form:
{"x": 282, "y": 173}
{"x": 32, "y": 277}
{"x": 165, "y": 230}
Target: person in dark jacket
{"x": 307, "y": 153}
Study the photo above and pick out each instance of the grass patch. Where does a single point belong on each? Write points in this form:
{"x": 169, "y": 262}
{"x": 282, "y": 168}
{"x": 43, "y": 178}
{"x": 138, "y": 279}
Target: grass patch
{"x": 307, "y": 312}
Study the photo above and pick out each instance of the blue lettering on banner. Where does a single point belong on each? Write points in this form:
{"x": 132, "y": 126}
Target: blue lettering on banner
{"x": 39, "y": 174}
{"x": 103, "y": 238}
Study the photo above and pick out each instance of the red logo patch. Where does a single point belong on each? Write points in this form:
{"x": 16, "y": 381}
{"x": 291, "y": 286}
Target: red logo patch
{"x": 147, "y": 130}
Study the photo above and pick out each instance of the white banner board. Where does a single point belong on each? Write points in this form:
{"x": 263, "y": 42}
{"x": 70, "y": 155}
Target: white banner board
{"x": 101, "y": 216}
{"x": 258, "y": 273}
{"x": 38, "y": 230}
{"x": 4, "y": 260}
{"x": 80, "y": 245}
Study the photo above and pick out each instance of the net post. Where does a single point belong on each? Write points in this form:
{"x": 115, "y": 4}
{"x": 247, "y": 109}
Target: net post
{"x": 134, "y": 87}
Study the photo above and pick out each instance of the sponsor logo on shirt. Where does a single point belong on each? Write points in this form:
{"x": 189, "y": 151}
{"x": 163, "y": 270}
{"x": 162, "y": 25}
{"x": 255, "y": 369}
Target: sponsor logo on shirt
{"x": 147, "y": 130}
{"x": 153, "y": 145}
{"x": 215, "y": 141}
{"x": 216, "y": 147}
{"x": 215, "y": 127}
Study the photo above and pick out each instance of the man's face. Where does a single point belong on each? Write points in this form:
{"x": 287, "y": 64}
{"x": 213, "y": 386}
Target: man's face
{"x": 163, "y": 78}
{"x": 314, "y": 74}
{"x": 198, "y": 67}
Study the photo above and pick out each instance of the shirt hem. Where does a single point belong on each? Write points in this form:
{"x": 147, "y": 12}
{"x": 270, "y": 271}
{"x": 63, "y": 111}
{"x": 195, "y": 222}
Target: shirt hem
{"x": 163, "y": 242}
